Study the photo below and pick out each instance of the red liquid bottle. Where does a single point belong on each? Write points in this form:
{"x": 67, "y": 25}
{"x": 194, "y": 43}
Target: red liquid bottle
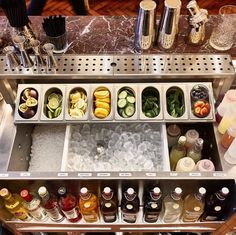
{"x": 68, "y": 205}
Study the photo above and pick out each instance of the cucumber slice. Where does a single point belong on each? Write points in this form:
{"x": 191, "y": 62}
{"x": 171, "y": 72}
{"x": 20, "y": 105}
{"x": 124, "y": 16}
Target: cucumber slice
{"x": 124, "y": 115}
{"x": 122, "y": 103}
{"x": 53, "y": 95}
{"x": 57, "y": 112}
{"x": 130, "y": 92}
{"x": 130, "y": 99}
{"x": 120, "y": 111}
{"x": 130, "y": 110}
{"x": 122, "y": 95}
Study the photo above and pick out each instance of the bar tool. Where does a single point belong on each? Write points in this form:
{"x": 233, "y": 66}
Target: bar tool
{"x": 51, "y": 60}
{"x": 197, "y": 20}
{"x": 169, "y": 24}
{"x": 12, "y": 59}
{"x": 145, "y": 26}
{"x": 40, "y": 62}
{"x": 25, "y": 58}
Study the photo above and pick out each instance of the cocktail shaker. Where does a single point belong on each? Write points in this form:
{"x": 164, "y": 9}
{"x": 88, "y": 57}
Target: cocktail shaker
{"x": 146, "y": 25}
{"x": 197, "y": 20}
{"x": 168, "y": 29}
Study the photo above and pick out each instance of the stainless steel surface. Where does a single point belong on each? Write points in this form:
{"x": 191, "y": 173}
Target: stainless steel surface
{"x": 12, "y": 60}
{"x": 145, "y": 33}
{"x": 169, "y": 24}
{"x": 51, "y": 60}
{"x": 40, "y": 62}
{"x": 8, "y": 91}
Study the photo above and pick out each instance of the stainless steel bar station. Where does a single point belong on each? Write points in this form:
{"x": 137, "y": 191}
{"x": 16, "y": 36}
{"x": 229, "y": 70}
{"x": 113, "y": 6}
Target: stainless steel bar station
{"x": 115, "y": 124}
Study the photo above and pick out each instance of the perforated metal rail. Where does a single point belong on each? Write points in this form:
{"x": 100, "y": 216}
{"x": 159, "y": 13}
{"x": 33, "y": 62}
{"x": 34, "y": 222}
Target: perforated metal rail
{"x": 129, "y": 65}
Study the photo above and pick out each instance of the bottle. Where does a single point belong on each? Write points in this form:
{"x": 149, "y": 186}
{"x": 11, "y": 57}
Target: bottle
{"x": 215, "y": 205}
{"x": 173, "y": 134}
{"x": 88, "y": 204}
{"x": 108, "y": 205}
{"x": 229, "y": 118}
{"x": 185, "y": 164}
{"x": 32, "y": 204}
{"x": 152, "y": 205}
{"x": 228, "y": 137}
{"x": 130, "y": 206}
{"x": 230, "y": 155}
{"x": 193, "y": 206}
{"x": 195, "y": 151}
{"x": 177, "y": 152}
{"x": 68, "y": 205}
{"x": 230, "y": 96}
{"x": 13, "y": 204}
{"x": 172, "y": 206}
{"x": 191, "y": 136}
{"x": 50, "y": 204}
{"x": 205, "y": 165}
{"x": 4, "y": 213}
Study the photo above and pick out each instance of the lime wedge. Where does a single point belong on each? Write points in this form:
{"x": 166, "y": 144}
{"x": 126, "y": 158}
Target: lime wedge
{"x": 57, "y": 112}
{"x": 53, "y": 103}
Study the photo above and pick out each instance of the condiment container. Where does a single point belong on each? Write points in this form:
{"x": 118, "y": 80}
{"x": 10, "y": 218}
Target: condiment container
{"x": 185, "y": 164}
{"x": 205, "y": 165}
{"x": 191, "y": 136}
{"x": 230, "y": 155}
{"x": 173, "y": 134}
{"x": 228, "y": 137}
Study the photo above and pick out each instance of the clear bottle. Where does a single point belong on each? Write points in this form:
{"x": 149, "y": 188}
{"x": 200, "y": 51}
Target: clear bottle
{"x": 13, "y": 204}
{"x": 228, "y": 137}
{"x": 185, "y": 164}
{"x": 68, "y": 205}
{"x": 88, "y": 204}
{"x": 230, "y": 155}
{"x": 191, "y": 136}
{"x": 173, "y": 134}
{"x": 194, "y": 206}
{"x": 215, "y": 205}
{"x": 130, "y": 206}
{"x": 172, "y": 206}
{"x": 4, "y": 213}
{"x": 152, "y": 205}
{"x": 33, "y": 204}
{"x": 50, "y": 204}
{"x": 195, "y": 151}
{"x": 205, "y": 165}
{"x": 177, "y": 152}
{"x": 108, "y": 205}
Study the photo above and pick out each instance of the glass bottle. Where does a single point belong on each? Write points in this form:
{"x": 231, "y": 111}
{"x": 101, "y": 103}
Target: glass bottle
{"x": 172, "y": 206}
{"x": 177, "y": 152}
{"x": 173, "y": 134}
{"x": 228, "y": 137}
{"x": 205, "y": 165}
{"x": 193, "y": 206}
{"x": 195, "y": 151}
{"x": 32, "y": 204}
{"x": 130, "y": 205}
{"x": 108, "y": 205}
{"x": 50, "y": 204}
{"x": 13, "y": 204}
{"x": 152, "y": 205}
{"x": 191, "y": 136}
{"x": 215, "y": 205}
{"x": 88, "y": 204}
{"x": 185, "y": 164}
{"x": 68, "y": 205}
{"x": 230, "y": 155}
{"x": 4, "y": 213}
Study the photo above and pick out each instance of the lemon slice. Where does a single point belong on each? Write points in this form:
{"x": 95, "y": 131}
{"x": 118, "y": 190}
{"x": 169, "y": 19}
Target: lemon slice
{"x": 101, "y": 112}
{"x": 101, "y": 94}
{"x": 107, "y": 100}
{"x": 104, "y": 105}
{"x": 76, "y": 113}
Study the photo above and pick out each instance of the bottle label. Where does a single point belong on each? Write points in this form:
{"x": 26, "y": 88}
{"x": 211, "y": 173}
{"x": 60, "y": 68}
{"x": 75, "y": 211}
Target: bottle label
{"x": 72, "y": 214}
{"x": 151, "y": 217}
{"x": 54, "y": 214}
{"x": 39, "y": 214}
{"x": 175, "y": 206}
{"x": 154, "y": 205}
{"x": 87, "y": 204}
{"x": 129, "y": 206}
{"x": 90, "y": 217}
{"x": 109, "y": 217}
{"x": 217, "y": 208}
{"x": 211, "y": 218}
{"x": 196, "y": 208}
{"x": 108, "y": 205}
{"x": 22, "y": 215}
{"x": 129, "y": 217}
{"x": 191, "y": 216}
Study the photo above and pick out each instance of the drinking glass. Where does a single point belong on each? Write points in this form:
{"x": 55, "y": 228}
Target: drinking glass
{"x": 223, "y": 35}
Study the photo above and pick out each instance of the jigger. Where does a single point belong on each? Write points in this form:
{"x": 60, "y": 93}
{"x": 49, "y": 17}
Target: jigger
{"x": 25, "y": 58}
{"x": 11, "y": 58}
{"x": 51, "y": 61}
{"x": 40, "y": 62}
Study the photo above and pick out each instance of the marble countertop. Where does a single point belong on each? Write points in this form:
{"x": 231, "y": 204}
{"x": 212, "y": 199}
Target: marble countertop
{"x": 114, "y": 35}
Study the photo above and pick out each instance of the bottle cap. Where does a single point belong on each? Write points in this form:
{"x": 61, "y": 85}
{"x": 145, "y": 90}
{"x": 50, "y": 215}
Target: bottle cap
{"x": 178, "y": 191}
{"x": 232, "y": 131}
{"x": 42, "y": 191}
{"x": 192, "y": 134}
{"x": 182, "y": 140}
{"x": 130, "y": 191}
{"x": 173, "y": 130}
{"x": 61, "y": 191}
{"x": 225, "y": 190}
{"x": 156, "y": 191}
{"x": 4, "y": 192}
{"x": 107, "y": 190}
{"x": 205, "y": 165}
{"x": 84, "y": 190}
{"x": 199, "y": 142}
{"x": 202, "y": 191}
{"x": 185, "y": 164}
{"x": 26, "y": 195}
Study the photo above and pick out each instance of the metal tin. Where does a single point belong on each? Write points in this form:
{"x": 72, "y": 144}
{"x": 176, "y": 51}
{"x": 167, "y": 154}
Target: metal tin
{"x": 134, "y": 89}
{"x": 182, "y": 88}
{"x": 94, "y": 87}
{"x": 47, "y": 90}
{"x": 69, "y": 89}
{"x": 158, "y": 88}
{"x": 17, "y": 116}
